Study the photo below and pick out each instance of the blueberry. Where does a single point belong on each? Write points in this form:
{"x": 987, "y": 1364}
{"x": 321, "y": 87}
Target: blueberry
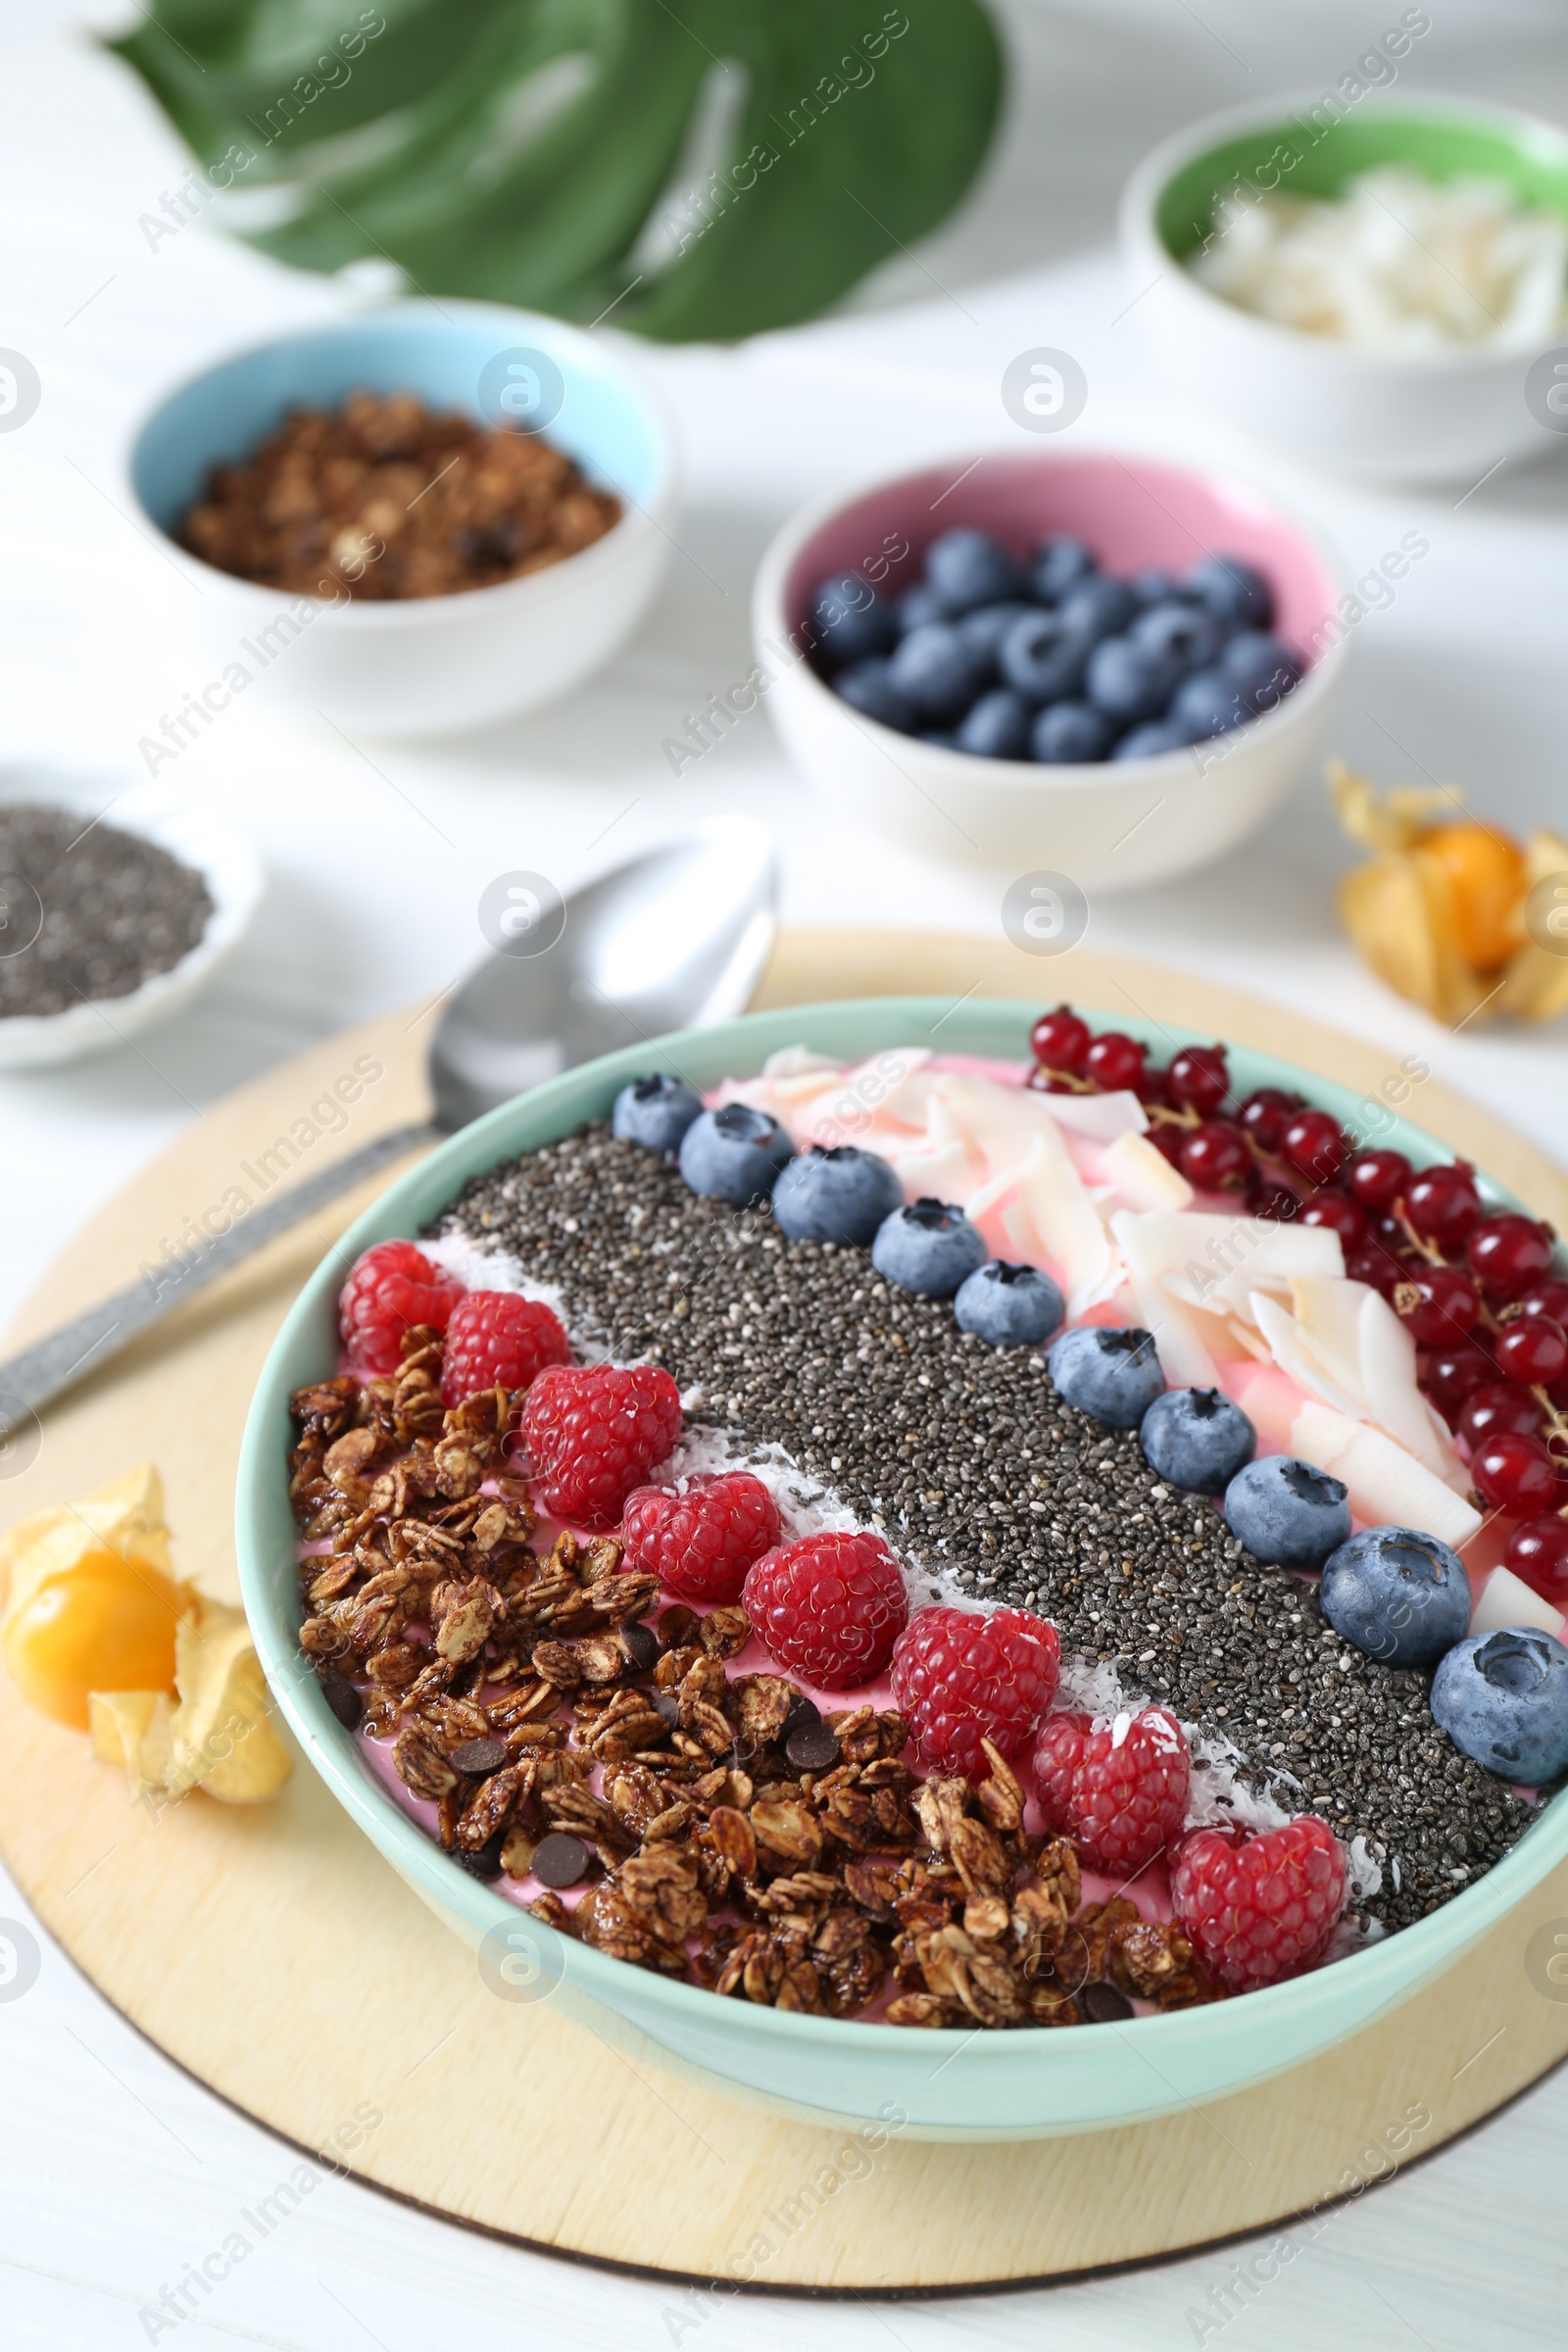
{"x": 734, "y": 1155}
{"x": 916, "y": 605}
{"x": 1401, "y": 1597}
{"x": 1099, "y": 607}
{"x": 655, "y": 1112}
{"x": 1069, "y": 734}
{"x": 927, "y": 1247}
{"x": 1197, "y": 1438}
{"x": 936, "y": 672}
{"x": 1235, "y": 591}
{"x": 1287, "y": 1513}
{"x": 1059, "y": 563}
{"x": 997, "y": 726}
{"x": 943, "y": 737}
{"x": 1155, "y": 587}
{"x": 1114, "y": 1376}
{"x": 1185, "y": 631}
{"x": 965, "y": 568}
{"x": 1207, "y": 704}
{"x": 1261, "y": 669}
{"x": 867, "y": 687}
{"x": 841, "y": 1195}
{"x": 852, "y": 621}
{"x": 1504, "y": 1698}
{"x": 982, "y": 631}
{"x": 1150, "y": 741}
{"x": 1129, "y": 681}
{"x": 1043, "y": 658}
{"x": 1007, "y": 1306}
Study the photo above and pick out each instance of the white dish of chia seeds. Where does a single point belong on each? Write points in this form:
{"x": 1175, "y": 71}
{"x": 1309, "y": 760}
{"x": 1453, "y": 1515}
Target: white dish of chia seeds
{"x": 92, "y": 1018}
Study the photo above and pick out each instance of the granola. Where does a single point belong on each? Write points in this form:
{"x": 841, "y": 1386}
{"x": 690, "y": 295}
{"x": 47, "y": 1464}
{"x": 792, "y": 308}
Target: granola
{"x": 386, "y": 499}
{"x": 533, "y": 1694}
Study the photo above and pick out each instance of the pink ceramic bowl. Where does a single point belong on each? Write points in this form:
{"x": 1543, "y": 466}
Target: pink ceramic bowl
{"x": 1105, "y": 827}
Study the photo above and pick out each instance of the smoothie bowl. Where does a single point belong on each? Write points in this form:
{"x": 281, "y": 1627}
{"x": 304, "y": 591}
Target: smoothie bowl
{"x": 953, "y": 1639}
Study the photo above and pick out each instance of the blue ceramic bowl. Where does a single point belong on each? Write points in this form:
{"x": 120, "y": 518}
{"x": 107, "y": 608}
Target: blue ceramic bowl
{"x": 425, "y": 665}
{"x": 951, "y": 2086}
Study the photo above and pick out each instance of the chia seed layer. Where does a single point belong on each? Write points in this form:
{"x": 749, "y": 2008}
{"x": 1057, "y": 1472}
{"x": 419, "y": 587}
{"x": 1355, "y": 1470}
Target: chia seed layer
{"x": 982, "y": 1476}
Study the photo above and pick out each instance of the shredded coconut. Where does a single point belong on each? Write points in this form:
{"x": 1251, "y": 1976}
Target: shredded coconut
{"x": 1397, "y": 262}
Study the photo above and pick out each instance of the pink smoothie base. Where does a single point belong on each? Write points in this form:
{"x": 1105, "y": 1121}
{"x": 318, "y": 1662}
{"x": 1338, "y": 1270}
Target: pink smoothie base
{"x": 1133, "y": 513}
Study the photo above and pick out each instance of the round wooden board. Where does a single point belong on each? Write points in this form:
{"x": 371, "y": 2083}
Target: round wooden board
{"x": 279, "y": 1960}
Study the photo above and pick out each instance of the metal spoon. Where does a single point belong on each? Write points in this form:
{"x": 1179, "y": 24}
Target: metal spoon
{"x": 673, "y": 939}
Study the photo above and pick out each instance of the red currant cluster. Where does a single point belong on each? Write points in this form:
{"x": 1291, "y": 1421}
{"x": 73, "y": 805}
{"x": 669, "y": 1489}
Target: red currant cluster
{"x": 1477, "y": 1292}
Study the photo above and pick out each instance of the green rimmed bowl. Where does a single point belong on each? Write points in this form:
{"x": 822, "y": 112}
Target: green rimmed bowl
{"x": 948, "y": 2086}
{"x": 1384, "y": 417}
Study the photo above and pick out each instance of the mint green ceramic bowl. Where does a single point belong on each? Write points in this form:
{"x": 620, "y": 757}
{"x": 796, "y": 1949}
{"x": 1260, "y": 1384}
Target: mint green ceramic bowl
{"x": 948, "y": 2086}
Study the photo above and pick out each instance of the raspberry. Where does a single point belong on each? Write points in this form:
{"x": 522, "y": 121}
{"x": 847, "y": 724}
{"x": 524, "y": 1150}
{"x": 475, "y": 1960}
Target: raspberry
{"x": 828, "y": 1607}
{"x": 496, "y": 1338}
{"x": 1257, "y": 1909}
{"x": 391, "y": 1287}
{"x": 700, "y": 1543}
{"x": 961, "y": 1676}
{"x": 594, "y": 1433}
{"x": 1120, "y": 1794}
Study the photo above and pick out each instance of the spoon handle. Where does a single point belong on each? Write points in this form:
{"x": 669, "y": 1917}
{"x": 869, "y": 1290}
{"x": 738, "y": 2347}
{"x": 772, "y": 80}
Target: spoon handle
{"x": 56, "y": 1362}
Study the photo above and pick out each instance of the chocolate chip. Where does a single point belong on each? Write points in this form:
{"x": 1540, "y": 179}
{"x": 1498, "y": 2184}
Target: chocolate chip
{"x": 642, "y": 1646}
{"x": 561, "y": 1859}
{"x": 481, "y": 1756}
{"x": 802, "y": 1710}
{"x": 1104, "y": 2006}
{"x": 811, "y": 1746}
{"x": 665, "y": 1703}
{"x": 343, "y": 1700}
{"x": 485, "y": 1864}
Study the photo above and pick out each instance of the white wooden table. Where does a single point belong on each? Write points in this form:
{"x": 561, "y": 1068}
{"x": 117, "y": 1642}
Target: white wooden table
{"x": 116, "y": 2172}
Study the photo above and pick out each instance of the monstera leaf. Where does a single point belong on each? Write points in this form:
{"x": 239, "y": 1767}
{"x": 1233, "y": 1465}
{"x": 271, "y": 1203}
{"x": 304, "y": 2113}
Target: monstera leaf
{"x": 707, "y": 172}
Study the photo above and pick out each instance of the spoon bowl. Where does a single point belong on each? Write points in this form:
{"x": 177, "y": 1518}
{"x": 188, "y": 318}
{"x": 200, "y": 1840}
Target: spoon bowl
{"x": 673, "y": 939}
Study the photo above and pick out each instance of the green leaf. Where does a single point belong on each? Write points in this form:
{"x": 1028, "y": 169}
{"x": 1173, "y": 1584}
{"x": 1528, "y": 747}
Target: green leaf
{"x": 522, "y": 150}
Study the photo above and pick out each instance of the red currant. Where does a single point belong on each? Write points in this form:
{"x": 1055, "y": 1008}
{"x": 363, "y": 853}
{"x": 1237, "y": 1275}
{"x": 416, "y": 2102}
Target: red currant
{"x": 1438, "y": 1305}
{"x": 1198, "y": 1079}
{"x": 1506, "y": 1253}
{"x": 1442, "y": 1204}
{"x": 1337, "y": 1211}
{"x": 1216, "y": 1157}
{"x": 1046, "y": 1082}
{"x": 1267, "y": 1199}
{"x": 1152, "y": 1088}
{"x": 1532, "y": 1351}
{"x": 1549, "y": 1297}
{"x": 1169, "y": 1139}
{"x": 1537, "y": 1550}
{"x": 1313, "y": 1145}
{"x": 1114, "y": 1062}
{"x": 1498, "y": 1405}
{"x": 1266, "y": 1115}
{"x": 1515, "y": 1473}
{"x": 1060, "y": 1040}
{"x": 1377, "y": 1178}
{"x": 1455, "y": 1372}
{"x": 1368, "y": 1261}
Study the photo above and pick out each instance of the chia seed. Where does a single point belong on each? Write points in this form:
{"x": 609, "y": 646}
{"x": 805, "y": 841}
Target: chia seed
{"x": 88, "y": 913}
{"x": 982, "y": 1476}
